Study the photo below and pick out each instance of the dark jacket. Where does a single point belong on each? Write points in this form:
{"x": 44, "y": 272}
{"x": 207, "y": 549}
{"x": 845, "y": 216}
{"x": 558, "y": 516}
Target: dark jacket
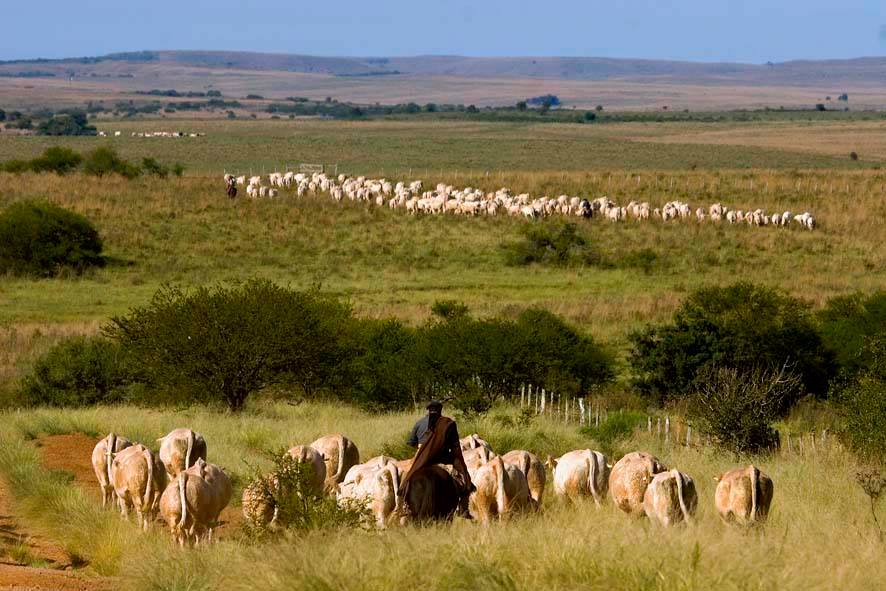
{"x": 451, "y": 441}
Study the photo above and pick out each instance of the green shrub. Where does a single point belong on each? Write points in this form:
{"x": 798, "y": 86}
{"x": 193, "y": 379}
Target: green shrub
{"x": 104, "y": 161}
{"x": 39, "y": 238}
{"x": 616, "y": 427}
{"x": 16, "y": 166}
{"x": 80, "y": 371}
{"x": 152, "y": 167}
{"x": 741, "y": 326}
{"x": 551, "y": 244}
{"x": 226, "y": 343}
{"x": 383, "y": 371}
{"x": 863, "y": 404}
{"x": 72, "y": 123}
{"x": 738, "y": 408}
{"x": 58, "y": 160}
{"x": 846, "y": 322}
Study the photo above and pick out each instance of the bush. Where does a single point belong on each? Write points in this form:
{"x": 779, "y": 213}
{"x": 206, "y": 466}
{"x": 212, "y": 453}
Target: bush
{"x": 73, "y": 123}
{"x": 739, "y": 408}
{"x": 58, "y": 160}
{"x": 846, "y": 322}
{"x": 16, "y": 166}
{"x": 617, "y": 427}
{"x": 152, "y": 167}
{"x": 39, "y": 238}
{"x": 104, "y": 161}
{"x": 548, "y": 244}
{"x": 288, "y": 488}
{"x": 383, "y": 371}
{"x": 80, "y": 371}
{"x": 864, "y": 404}
{"x": 226, "y": 343}
{"x": 741, "y": 326}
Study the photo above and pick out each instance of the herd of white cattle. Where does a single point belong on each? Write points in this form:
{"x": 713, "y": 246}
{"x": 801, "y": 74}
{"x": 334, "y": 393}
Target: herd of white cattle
{"x": 151, "y": 134}
{"x": 190, "y": 494}
{"x": 447, "y": 199}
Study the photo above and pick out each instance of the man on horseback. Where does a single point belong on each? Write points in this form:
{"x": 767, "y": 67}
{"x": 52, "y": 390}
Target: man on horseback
{"x": 437, "y": 440}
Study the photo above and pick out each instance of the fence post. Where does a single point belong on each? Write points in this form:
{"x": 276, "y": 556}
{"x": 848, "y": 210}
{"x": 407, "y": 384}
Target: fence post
{"x": 658, "y": 427}
{"x": 581, "y": 410}
{"x": 649, "y": 425}
{"x": 812, "y": 440}
{"x": 522, "y": 394}
{"x": 667, "y": 430}
{"x": 688, "y": 434}
{"x": 543, "y": 401}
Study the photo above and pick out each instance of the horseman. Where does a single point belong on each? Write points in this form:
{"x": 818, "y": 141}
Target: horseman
{"x": 437, "y": 441}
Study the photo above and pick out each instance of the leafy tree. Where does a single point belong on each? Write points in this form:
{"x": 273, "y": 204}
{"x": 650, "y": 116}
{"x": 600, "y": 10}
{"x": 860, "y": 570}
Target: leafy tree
{"x": 226, "y": 343}
{"x": 57, "y": 159}
{"x": 742, "y": 326}
{"x": 472, "y": 109}
{"x": 548, "y": 244}
{"x": 2, "y": 115}
{"x": 40, "y": 238}
{"x": 846, "y": 322}
{"x": 72, "y": 123}
{"x": 383, "y": 372}
{"x": 590, "y": 116}
{"x": 431, "y": 108}
{"x": 863, "y": 403}
{"x": 522, "y": 106}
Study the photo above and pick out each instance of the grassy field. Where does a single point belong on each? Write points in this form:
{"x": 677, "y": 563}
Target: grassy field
{"x": 385, "y": 263}
{"x": 459, "y": 148}
{"x": 820, "y": 517}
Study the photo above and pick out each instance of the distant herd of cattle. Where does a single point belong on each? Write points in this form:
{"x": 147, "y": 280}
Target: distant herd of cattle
{"x": 446, "y": 199}
{"x": 189, "y": 494}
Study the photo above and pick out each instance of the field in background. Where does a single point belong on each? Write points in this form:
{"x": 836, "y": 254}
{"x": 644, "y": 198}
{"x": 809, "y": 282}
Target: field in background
{"x": 820, "y": 516}
{"x": 455, "y": 149}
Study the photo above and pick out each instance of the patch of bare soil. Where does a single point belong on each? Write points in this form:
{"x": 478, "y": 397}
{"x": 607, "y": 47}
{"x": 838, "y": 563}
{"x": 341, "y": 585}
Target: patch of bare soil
{"x": 18, "y": 544}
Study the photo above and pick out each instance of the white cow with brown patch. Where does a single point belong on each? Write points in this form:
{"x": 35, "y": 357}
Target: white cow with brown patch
{"x": 501, "y": 491}
{"x": 180, "y": 449}
{"x": 102, "y": 455}
{"x": 670, "y": 498}
{"x": 579, "y": 473}
{"x": 629, "y": 478}
{"x": 192, "y": 503}
{"x": 339, "y": 454}
{"x": 138, "y": 479}
{"x": 305, "y": 454}
{"x": 532, "y": 468}
{"x": 743, "y": 496}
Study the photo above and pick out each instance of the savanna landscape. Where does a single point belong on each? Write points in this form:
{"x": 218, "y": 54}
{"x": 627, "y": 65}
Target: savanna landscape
{"x": 707, "y": 343}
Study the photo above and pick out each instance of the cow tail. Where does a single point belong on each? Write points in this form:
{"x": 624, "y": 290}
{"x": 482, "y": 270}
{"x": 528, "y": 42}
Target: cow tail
{"x": 527, "y": 462}
{"x": 190, "y": 449}
{"x": 111, "y": 443}
{"x": 149, "y": 458}
{"x": 592, "y": 476}
{"x": 500, "y": 498}
{"x": 339, "y": 474}
{"x": 183, "y": 497}
{"x": 679, "y": 478}
{"x": 395, "y": 478}
{"x": 754, "y": 479}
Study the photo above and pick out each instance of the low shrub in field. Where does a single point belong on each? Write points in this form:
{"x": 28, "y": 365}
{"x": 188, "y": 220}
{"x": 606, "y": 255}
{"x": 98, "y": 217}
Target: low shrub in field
{"x": 39, "y": 238}
{"x": 383, "y": 372}
{"x": 560, "y": 245}
{"x": 738, "y": 408}
{"x": 616, "y": 427}
{"x": 105, "y": 161}
{"x": 226, "y": 343}
{"x": 288, "y": 489}
{"x": 863, "y": 404}
{"x": 58, "y": 160}
{"x": 742, "y": 326}
{"x": 80, "y": 371}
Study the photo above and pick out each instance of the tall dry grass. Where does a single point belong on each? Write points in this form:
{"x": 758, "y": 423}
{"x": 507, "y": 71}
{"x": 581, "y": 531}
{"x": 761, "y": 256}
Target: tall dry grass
{"x": 819, "y": 535}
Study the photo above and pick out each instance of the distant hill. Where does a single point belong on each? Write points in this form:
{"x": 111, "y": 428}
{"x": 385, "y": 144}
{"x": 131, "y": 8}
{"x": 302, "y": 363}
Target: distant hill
{"x": 871, "y": 70}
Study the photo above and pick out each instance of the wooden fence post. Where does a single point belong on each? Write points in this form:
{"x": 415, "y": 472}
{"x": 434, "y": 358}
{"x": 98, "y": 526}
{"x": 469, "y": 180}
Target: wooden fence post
{"x": 667, "y": 430}
{"x": 543, "y": 397}
{"x": 522, "y": 395}
{"x": 658, "y": 428}
{"x": 649, "y": 425}
{"x": 688, "y": 434}
{"x": 581, "y": 410}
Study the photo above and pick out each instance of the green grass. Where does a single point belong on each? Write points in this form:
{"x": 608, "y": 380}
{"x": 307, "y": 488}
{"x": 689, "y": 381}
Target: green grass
{"x": 424, "y": 147}
{"x": 819, "y": 517}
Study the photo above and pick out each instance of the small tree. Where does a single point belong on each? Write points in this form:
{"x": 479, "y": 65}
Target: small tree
{"x": 738, "y": 408}
{"x": 40, "y": 238}
{"x": 522, "y": 106}
{"x": 863, "y": 403}
{"x": 590, "y": 116}
{"x": 226, "y": 343}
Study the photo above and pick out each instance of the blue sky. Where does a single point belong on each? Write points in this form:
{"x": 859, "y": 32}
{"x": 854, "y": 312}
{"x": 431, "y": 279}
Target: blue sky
{"x": 702, "y": 30}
